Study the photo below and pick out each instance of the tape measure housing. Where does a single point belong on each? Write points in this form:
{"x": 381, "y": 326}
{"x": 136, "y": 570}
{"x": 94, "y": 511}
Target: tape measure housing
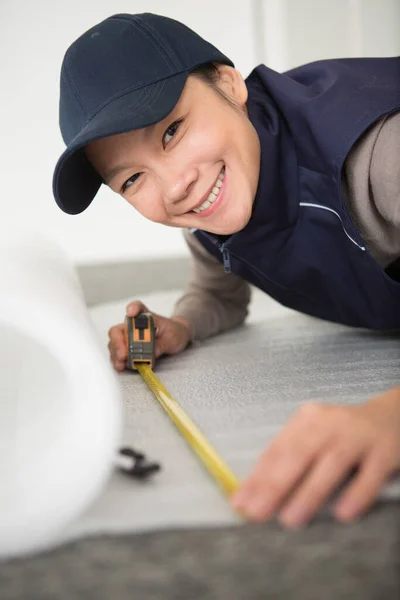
{"x": 140, "y": 340}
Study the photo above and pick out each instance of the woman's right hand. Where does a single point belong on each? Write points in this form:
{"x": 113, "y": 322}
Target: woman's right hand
{"x": 172, "y": 336}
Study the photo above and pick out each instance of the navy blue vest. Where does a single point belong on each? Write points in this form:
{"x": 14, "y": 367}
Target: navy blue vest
{"x": 300, "y": 245}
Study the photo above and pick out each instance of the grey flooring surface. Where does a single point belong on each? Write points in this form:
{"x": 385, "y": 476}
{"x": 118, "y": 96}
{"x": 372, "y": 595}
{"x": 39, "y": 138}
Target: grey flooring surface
{"x": 322, "y": 562}
{"x": 240, "y": 388}
{"x": 110, "y": 282}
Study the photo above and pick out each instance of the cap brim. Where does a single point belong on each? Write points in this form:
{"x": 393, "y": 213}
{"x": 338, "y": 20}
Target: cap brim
{"x": 75, "y": 181}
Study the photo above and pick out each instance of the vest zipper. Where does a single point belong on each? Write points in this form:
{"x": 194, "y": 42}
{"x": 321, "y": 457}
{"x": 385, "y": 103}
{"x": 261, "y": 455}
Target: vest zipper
{"x": 221, "y": 247}
{"x": 226, "y": 258}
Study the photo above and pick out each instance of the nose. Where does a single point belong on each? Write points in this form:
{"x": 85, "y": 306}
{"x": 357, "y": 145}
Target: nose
{"x": 177, "y": 184}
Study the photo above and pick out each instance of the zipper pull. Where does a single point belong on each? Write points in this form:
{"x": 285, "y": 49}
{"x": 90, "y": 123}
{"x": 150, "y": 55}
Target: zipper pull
{"x": 227, "y": 260}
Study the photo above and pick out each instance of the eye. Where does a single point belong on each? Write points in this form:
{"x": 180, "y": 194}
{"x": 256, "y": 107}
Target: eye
{"x": 129, "y": 181}
{"x": 170, "y": 132}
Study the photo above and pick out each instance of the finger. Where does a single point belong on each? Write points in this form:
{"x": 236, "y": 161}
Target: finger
{"x": 117, "y": 358}
{"x": 318, "y": 485}
{"x": 120, "y": 365}
{"x": 115, "y": 330}
{"x": 281, "y": 466}
{"x": 117, "y": 346}
{"x": 361, "y": 493}
{"x": 159, "y": 347}
{"x": 136, "y": 307}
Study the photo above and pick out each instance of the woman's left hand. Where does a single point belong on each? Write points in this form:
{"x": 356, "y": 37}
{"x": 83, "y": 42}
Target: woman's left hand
{"x": 313, "y": 455}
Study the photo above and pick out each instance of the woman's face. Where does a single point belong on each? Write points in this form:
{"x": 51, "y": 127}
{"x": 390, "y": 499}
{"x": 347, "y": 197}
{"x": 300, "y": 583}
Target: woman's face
{"x": 198, "y": 167}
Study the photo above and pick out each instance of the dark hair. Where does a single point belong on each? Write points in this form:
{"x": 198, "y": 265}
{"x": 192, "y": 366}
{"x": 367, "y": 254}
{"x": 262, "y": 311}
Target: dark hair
{"x": 209, "y": 73}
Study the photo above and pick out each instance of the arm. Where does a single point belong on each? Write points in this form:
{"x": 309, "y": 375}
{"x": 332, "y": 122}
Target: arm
{"x": 213, "y": 301}
{"x": 371, "y": 188}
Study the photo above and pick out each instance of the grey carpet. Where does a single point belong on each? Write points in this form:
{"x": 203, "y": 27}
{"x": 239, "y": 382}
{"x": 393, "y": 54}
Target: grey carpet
{"x": 323, "y": 562}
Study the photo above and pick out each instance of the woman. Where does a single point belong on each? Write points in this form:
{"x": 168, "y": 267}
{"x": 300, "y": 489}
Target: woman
{"x": 289, "y": 182}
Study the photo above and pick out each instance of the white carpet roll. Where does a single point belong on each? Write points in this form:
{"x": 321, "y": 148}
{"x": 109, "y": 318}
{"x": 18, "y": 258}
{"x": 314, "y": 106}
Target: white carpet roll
{"x": 60, "y": 404}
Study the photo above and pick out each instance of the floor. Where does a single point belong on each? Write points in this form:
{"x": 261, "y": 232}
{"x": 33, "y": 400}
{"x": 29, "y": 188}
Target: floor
{"x": 177, "y": 537}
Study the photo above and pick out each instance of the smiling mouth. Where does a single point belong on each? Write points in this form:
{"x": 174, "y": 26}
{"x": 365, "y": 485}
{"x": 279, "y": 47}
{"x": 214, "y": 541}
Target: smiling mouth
{"x": 213, "y": 195}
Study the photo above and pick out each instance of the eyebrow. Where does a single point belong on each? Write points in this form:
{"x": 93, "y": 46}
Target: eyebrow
{"x": 111, "y": 173}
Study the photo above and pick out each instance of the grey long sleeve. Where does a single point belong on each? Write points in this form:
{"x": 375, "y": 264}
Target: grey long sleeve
{"x": 371, "y": 187}
{"x": 215, "y": 301}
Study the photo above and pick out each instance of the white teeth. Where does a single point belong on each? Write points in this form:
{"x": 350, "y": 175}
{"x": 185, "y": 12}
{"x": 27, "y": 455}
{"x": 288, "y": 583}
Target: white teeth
{"x": 213, "y": 195}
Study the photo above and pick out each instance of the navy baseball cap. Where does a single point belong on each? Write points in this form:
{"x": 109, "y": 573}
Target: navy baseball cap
{"x": 125, "y": 73}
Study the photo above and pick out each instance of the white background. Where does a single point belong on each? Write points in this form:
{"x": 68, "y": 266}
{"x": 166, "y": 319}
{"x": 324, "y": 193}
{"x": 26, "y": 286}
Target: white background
{"x": 33, "y": 39}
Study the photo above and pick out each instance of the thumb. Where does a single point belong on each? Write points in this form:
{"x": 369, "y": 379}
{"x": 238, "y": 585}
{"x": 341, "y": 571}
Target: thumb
{"x": 136, "y": 307}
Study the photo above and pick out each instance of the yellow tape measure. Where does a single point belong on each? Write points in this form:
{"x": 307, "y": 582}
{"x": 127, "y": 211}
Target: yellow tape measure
{"x": 202, "y": 447}
{"x": 139, "y": 332}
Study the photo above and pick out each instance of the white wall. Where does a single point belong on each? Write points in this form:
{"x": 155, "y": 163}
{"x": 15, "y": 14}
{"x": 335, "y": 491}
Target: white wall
{"x": 299, "y": 31}
{"x": 33, "y": 39}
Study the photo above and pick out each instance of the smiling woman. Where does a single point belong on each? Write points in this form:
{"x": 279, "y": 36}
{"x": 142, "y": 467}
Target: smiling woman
{"x": 278, "y": 180}
{"x": 168, "y": 171}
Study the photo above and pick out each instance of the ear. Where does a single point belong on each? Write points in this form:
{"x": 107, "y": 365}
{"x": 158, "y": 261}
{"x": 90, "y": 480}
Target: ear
{"x": 232, "y": 83}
